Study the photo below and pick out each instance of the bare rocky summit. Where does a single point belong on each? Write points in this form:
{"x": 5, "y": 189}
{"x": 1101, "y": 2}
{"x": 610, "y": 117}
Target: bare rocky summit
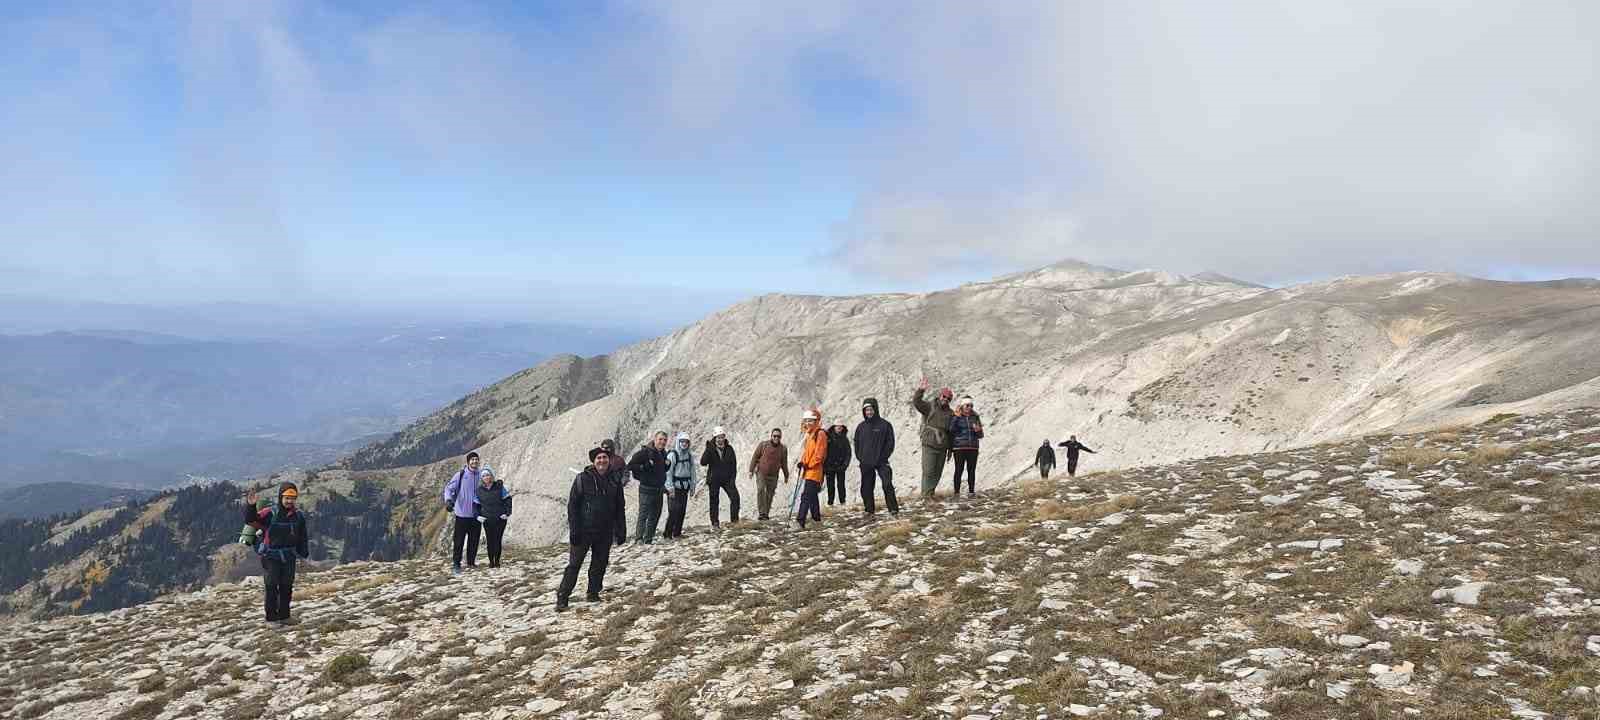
{"x": 1451, "y": 574}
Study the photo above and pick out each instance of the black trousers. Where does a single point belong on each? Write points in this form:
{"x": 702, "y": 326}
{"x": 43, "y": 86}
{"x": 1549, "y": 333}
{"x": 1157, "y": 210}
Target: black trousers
{"x": 467, "y": 530}
{"x": 968, "y": 460}
{"x": 1044, "y": 472}
{"x": 717, "y": 487}
{"x": 677, "y": 507}
{"x": 278, "y": 580}
{"x": 869, "y": 477}
{"x": 809, "y": 502}
{"x": 835, "y": 479}
{"x": 649, "y": 515}
{"x": 600, "y": 545}
{"x": 1072, "y": 466}
{"x": 493, "y": 530}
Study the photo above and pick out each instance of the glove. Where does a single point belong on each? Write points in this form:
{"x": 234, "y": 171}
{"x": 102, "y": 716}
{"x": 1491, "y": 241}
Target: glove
{"x": 482, "y": 519}
{"x": 505, "y": 517}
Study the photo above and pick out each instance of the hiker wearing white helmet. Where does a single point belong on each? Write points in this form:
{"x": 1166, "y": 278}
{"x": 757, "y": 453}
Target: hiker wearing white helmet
{"x": 682, "y": 482}
{"x": 722, "y": 475}
{"x": 813, "y": 455}
{"x": 966, "y": 430}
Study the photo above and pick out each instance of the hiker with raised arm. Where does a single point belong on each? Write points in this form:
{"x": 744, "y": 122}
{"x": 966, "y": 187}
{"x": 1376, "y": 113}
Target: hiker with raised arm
{"x": 595, "y": 522}
{"x": 874, "y": 446}
{"x": 813, "y": 455}
{"x": 682, "y": 483}
{"x": 838, "y": 461}
{"x": 1045, "y": 459}
{"x": 722, "y": 475}
{"x": 460, "y": 499}
{"x": 770, "y": 458}
{"x": 1073, "y": 448}
{"x": 649, "y": 468}
{"x": 494, "y": 509}
{"x": 966, "y": 431}
{"x": 935, "y": 434}
{"x": 284, "y": 542}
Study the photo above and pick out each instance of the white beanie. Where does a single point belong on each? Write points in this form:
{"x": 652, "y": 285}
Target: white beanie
{"x": 717, "y": 431}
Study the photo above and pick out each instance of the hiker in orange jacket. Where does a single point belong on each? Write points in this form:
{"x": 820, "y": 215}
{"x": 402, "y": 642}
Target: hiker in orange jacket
{"x": 812, "y": 458}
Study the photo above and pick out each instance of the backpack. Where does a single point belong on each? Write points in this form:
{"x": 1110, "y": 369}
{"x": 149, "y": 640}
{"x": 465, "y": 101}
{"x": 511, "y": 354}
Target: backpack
{"x": 273, "y": 523}
{"x": 679, "y": 459}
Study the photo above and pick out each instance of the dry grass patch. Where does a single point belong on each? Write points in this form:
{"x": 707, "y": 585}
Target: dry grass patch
{"x": 1036, "y": 489}
{"x": 320, "y": 590}
{"x": 370, "y": 583}
{"x": 1002, "y": 532}
{"x": 894, "y": 532}
{"x": 1413, "y": 457}
{"x": 1490, "y": 455}
{"x": 1057, "y": 510}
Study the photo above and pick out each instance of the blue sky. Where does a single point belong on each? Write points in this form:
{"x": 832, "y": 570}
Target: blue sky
{"x": 658, "y": 159}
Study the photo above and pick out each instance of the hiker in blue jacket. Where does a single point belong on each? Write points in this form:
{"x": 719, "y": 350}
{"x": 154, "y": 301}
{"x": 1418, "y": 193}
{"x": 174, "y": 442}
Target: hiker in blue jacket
{"x": 460, "y": 498}
{"x": 283, "y": 543}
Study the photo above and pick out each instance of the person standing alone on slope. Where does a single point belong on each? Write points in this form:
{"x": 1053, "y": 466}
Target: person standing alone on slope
{"x": 649, "y": 468}
{"x": 1073, "y": 446}
{"x": 813, "y": 455}
{"x": 874, "y": 445}
{"x": 770, "y": 458}
{"x": 838, "y": 461}
{"x": 1045, "y": 459}
{"x": 594, "y": 522}
{"x": 722, "y": 474}
{"x": 966, "y": 430}
{"x": 460, "y": 495}
{"x": 283, "y": 543}
{"x": 493, "y": 507}
{"x": 682, "y": 483}
{"x": 935, "y": 435}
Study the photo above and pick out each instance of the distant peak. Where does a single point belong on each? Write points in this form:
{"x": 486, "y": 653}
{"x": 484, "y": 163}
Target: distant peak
{"x": 1216, "y": 277}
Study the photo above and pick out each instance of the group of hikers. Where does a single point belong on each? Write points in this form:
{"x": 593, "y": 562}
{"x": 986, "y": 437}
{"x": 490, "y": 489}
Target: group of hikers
{"x": 669, "y": 476}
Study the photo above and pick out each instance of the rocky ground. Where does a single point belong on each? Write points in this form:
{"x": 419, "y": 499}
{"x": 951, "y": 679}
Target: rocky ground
{"x": 1446, "y": 575}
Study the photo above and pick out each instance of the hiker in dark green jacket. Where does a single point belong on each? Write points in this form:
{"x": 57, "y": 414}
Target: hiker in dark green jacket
{"x": 935, "y": 434}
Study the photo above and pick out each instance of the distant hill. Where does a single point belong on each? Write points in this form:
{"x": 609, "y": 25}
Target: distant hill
{"x": 44, "y": 499}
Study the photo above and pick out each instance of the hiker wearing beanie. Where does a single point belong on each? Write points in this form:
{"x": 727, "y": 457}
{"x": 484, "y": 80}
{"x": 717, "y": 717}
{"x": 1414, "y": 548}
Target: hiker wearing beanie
{"x": 966, "y": 429}
{"x": 770, "y": 458}
{"x": 682, "y": 483}
{"x": 460, "y": 498}
{"x": 649, "y": 468}
{"x": 619, "y": 478}
{"x": 283, "y": 543}
{"x": 935, "y": 435}
{"x": 874, "y": 445}
{"x": 595, "y": 521}
{"x": 838, "y": 461}
{"x": 813, "y": 455}
{"x": 722, "y": 475}
{"x": 1073, "y": 448}
{"x": 494, "y": 509}
{"x": 1045, "y": 459}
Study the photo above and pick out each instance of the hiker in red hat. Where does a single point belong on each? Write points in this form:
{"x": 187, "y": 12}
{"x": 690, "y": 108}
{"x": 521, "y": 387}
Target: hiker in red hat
{"x": 935, "y": 434}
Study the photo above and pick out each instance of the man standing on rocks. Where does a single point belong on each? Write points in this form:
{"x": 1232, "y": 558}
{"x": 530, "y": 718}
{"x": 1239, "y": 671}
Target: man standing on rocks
{"x": 874, "y": 445}
{"x": 283, "y": 543}
{"x": 682, "y": 483}
{"x": 966, "y": 430}
{"x": 595, "y": 520}
{"x": 813, "y": 455}
{"x": 460, "y": 495}
{"x": 1073, "y": 447}
{"x": 618, "y": 475}
{"x": 770, "y": 458}
{"x": 722, "y": 475}
{"x": 494, "y": 509}
{"x": 649, "y": 468}
{"x": 838, "y": 461}
{"x": 1045, "y": 459}
{"x": 935, "y": 435}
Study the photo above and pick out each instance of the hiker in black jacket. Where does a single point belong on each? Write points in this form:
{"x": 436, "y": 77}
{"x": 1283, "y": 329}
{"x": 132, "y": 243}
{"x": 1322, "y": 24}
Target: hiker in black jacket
{"x": 838, "y": 461}
{"x": 649, "y": 468}
{"x": 284, "y": 541}
{"x": 594, "y": 522}
{"x": 1073, "y": 446}
{"x": 1045, "y": 459}
{"x": 874, "y": 445}
{"x": 722, "y": 475}
{"x": 493, "y": 507}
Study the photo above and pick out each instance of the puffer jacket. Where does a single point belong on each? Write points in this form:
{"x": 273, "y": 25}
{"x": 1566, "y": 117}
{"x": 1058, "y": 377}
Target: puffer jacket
{"x": 838, "y": 450}
{"x": 493, "y": 500}
{"x": 595, "y": 507}
{"x": 965, "y": 431}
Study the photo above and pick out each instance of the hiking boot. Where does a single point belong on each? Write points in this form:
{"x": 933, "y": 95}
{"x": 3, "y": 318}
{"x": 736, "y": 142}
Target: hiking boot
{"x": 561, "y": 605}
{"x": 455, "y": 569}
{"x": 592, "y": 597}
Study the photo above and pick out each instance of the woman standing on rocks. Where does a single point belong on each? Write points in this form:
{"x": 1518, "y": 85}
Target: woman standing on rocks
{"x": 838, "y": 460}
{"x": 682, "y": 483}
{"x": 283, "y": 543}
{"x": 966, "y": 429}
{"x": 494, "y": 509}
{"x": 812, "y": 457}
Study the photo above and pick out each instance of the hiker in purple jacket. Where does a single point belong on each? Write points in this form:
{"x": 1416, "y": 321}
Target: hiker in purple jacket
{"x": 460, "y": 498}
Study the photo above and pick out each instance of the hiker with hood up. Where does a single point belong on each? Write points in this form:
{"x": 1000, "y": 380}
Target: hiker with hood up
{"x": 1045, "y": 459}
{"x": 460, "y": 497}
{"x": 966, "y": 430}
{"x": 874, "y": 445}
{"x": 838, "y": 461}
{"x": 595, "y": 521}
{"x": 935, "y": 434}
{"x": 722, "y": 475}
{"x": 494, "y": 509}
{"x": 284, "y": 542}
{"x": 770, "y": 458}
{"x": 1073, "y": 448}
{"x": 682, "y": 483}
{"x": 649, "y": 468}
{"x": 813, "y": 455}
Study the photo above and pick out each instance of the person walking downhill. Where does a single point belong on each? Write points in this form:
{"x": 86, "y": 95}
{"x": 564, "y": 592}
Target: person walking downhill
{"x": 770, "y": 458}
{"x": 1045, "y": 459}
{"x": 682, "y": 483}
{"x": 966, "y": 430}
{"x": 1073, "y": 447}
{"x": 649, "y": 468}
{"x": 460, "y": 495}
{"x": 284, "y": 542}
{"x": 874, "y": 445}
{"x": 813, "y": 455}
{"x": 935, "y": 435}
{"x": 722, "y": 475}
{"x": 838, "y": 461}
{"x": 494, "y": 509}
{"x": 595, "y": 520}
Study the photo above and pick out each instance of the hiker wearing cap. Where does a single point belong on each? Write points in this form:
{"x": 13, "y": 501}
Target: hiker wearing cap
{"x": 838, "y": 461}
{"x": 935, "y": 434}
{"x": 595, "y": 521}
{"x": 966, "y": 429}
{"x": 1045, "y": 459}
{"x": 682, "y": 483}
{"x": 874, "y": 445}
{"x": 722, "y": 475}
{"x": 494, "y": 509}
{"x": 1073, "y": 448}
{"x": 649, "y": 468}
{"x": 813, "y": 455}
{"x": 283, "y": 543}
{"x": 618, "y": 476}
{"x": 460, "y": 498}
{"x": 770, "y": 458}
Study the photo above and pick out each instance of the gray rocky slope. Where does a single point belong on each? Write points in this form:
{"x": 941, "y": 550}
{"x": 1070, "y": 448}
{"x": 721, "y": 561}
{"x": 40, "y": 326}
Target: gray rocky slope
{"x": 1445, "y": 575}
